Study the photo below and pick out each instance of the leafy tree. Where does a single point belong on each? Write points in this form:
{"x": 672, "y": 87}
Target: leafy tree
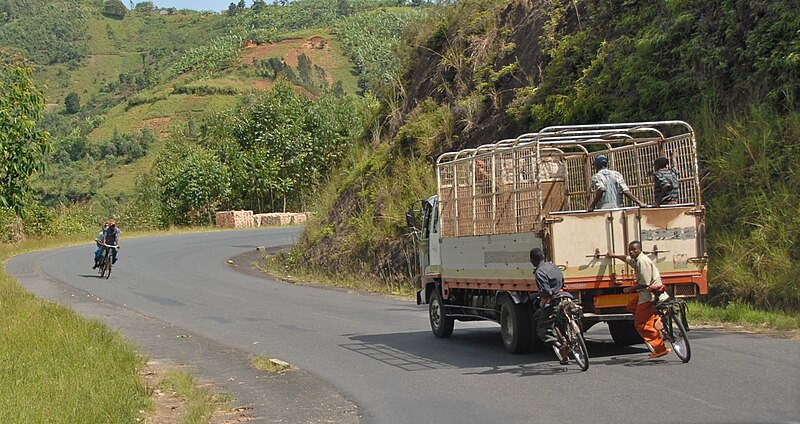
{"x": 22, "y": 142}
{"x": 72, "y": 103}
{"x": 114, "y": 9}
{"x": 258, "y": 5}
{"x": 193, "y": 184}
{"x": 144, "y": 7}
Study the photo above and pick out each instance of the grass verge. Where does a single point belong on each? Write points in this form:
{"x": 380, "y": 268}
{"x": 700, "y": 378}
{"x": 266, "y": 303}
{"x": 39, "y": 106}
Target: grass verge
{"x": 58, "y": 367}
{"x": 201, "y": 403}
{"x": 741, "y": 314}
{"x": 264, "y": 363}
{"x": 273, "y": 265}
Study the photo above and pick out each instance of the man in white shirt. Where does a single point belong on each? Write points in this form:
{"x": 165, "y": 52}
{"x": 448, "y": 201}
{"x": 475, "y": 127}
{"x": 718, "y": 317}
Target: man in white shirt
{"x": 643, "y": 308}
{"x": 608, "y": 187}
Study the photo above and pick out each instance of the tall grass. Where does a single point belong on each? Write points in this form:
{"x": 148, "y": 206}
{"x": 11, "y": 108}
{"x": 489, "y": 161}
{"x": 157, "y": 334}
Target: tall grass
{"x": 58, "y": 367}
{"x": 358, "y": 226}
{"x": 753, "y": 172}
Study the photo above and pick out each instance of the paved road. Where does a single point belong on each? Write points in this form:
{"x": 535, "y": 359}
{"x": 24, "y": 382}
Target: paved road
{"x": 379, "y": 354}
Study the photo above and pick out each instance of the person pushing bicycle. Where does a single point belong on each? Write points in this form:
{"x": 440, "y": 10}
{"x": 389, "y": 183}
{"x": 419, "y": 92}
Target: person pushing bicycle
{"x": 650, "y": 289}
{"x": 550, "y": 280}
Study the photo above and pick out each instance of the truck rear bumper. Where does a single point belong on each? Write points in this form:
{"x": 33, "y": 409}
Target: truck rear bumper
{"x": 589, "y": 316}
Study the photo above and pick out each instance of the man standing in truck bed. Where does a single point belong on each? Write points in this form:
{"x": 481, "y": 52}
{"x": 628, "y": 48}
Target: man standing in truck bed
{"x": 608, "y": 187}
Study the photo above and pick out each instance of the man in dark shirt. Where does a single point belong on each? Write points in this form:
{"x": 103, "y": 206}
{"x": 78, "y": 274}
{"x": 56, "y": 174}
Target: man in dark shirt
{"x": 112, "y": 236}
{"x": 550, "y": 280}
{"x": 666, "y": 181}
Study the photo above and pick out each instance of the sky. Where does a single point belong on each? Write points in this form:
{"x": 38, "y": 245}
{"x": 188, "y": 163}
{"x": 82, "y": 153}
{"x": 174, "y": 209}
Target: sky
{"x": 214, "y": 5}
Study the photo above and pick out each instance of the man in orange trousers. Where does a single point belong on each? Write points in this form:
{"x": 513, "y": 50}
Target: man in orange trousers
{"x": 645, "y": 318}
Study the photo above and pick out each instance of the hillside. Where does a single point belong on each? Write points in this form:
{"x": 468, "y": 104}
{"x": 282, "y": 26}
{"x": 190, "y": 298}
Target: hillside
{"x": 124, "y": 73}
{"x": 484, "y": 70}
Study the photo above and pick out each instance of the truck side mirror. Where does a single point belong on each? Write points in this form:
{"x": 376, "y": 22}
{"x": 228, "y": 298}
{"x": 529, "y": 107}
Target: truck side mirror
{"x": 411, "y": 220}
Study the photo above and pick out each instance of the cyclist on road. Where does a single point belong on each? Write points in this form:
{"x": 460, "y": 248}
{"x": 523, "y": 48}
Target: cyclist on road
{"x": 112, "y": 238}
{"x": 99, "y": 242}
{"x": 648, "y": 283}
{"x": 550, "y": 280}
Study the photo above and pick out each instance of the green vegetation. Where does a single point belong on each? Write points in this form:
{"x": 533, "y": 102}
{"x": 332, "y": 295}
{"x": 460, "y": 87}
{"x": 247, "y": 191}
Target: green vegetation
{"x": 46, "y": 32}
{"x": 483, "y": 70}
{"x": 743, "y": 314}
{"x": 201, "y": 402}
{"x": 267, "y": 155}
{"x": 264, "y": 363}
{"x": 167, "y": 118}
{"x": 22, "y": 141}
{"x": 58, "y": 367}
{"x": 371, "y": 40}
{"x": 218, "y": 53}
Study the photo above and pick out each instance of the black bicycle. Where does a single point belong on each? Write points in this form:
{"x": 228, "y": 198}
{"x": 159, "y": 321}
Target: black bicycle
{"x": 106, "y": 260}
{"x": 569, "y": 333}
{"x": 674, "y": 326}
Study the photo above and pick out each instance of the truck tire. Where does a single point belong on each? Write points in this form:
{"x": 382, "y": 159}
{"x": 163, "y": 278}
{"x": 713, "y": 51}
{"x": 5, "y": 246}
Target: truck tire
{"x": 441, "y": 322}
{"x": 535, "y": 344}
{"x": 515, "y": 326}
{"x": 624, "y": 333}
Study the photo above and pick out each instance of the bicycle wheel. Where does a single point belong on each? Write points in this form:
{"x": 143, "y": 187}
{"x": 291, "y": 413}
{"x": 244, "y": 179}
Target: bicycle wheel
{"x": 678, "y": 337}
{"x": 103, "y": 265}
{"x": 108, "y": 268}
{"x": 577, "y": 345}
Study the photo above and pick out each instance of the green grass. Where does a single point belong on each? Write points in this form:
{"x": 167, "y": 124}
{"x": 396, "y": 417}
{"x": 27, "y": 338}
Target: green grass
{"x": 744, "y": 315}
{"x": 58, "y": 367}
{"x": 264, "y": 363}
{"x": 164, "y": 117}
{"x": 201, "y": 402}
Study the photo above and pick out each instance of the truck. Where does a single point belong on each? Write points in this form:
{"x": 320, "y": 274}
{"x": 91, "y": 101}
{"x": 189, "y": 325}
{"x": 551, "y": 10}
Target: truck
{"x": 496, "y": 202}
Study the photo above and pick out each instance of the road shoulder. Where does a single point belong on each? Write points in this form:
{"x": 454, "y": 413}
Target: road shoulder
{"x": 294, "y": 396}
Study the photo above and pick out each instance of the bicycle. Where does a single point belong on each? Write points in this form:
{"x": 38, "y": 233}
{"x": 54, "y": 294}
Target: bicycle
{"x": 568, "y": 332}
{"x": 106, "y": 260}
{"x": 674, "y": 326}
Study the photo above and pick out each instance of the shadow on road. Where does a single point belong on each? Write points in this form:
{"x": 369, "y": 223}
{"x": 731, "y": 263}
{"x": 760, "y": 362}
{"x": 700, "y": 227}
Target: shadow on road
{"x": 483, "y": 348}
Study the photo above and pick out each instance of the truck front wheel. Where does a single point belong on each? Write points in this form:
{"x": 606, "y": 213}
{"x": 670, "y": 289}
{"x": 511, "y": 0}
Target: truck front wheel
{"x": 515, "y": 325}
{"x": 441, "y": 322}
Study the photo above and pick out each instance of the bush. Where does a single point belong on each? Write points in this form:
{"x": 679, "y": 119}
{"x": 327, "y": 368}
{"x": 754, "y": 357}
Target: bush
{"x": 72, "y": 103}
{"x": 114, "y": 9}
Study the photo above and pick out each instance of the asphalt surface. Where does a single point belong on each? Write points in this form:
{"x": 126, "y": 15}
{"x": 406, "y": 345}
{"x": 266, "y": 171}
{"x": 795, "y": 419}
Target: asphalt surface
{"x": 373, "y": 359}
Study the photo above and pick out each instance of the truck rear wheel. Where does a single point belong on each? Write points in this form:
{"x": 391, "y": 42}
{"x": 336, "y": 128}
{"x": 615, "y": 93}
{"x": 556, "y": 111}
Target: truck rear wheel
{"x": 441, "y": 322}
{"x": 624, "y": 333}
{"x": 535, "y": 344}
{"x": 515, "y": 326}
